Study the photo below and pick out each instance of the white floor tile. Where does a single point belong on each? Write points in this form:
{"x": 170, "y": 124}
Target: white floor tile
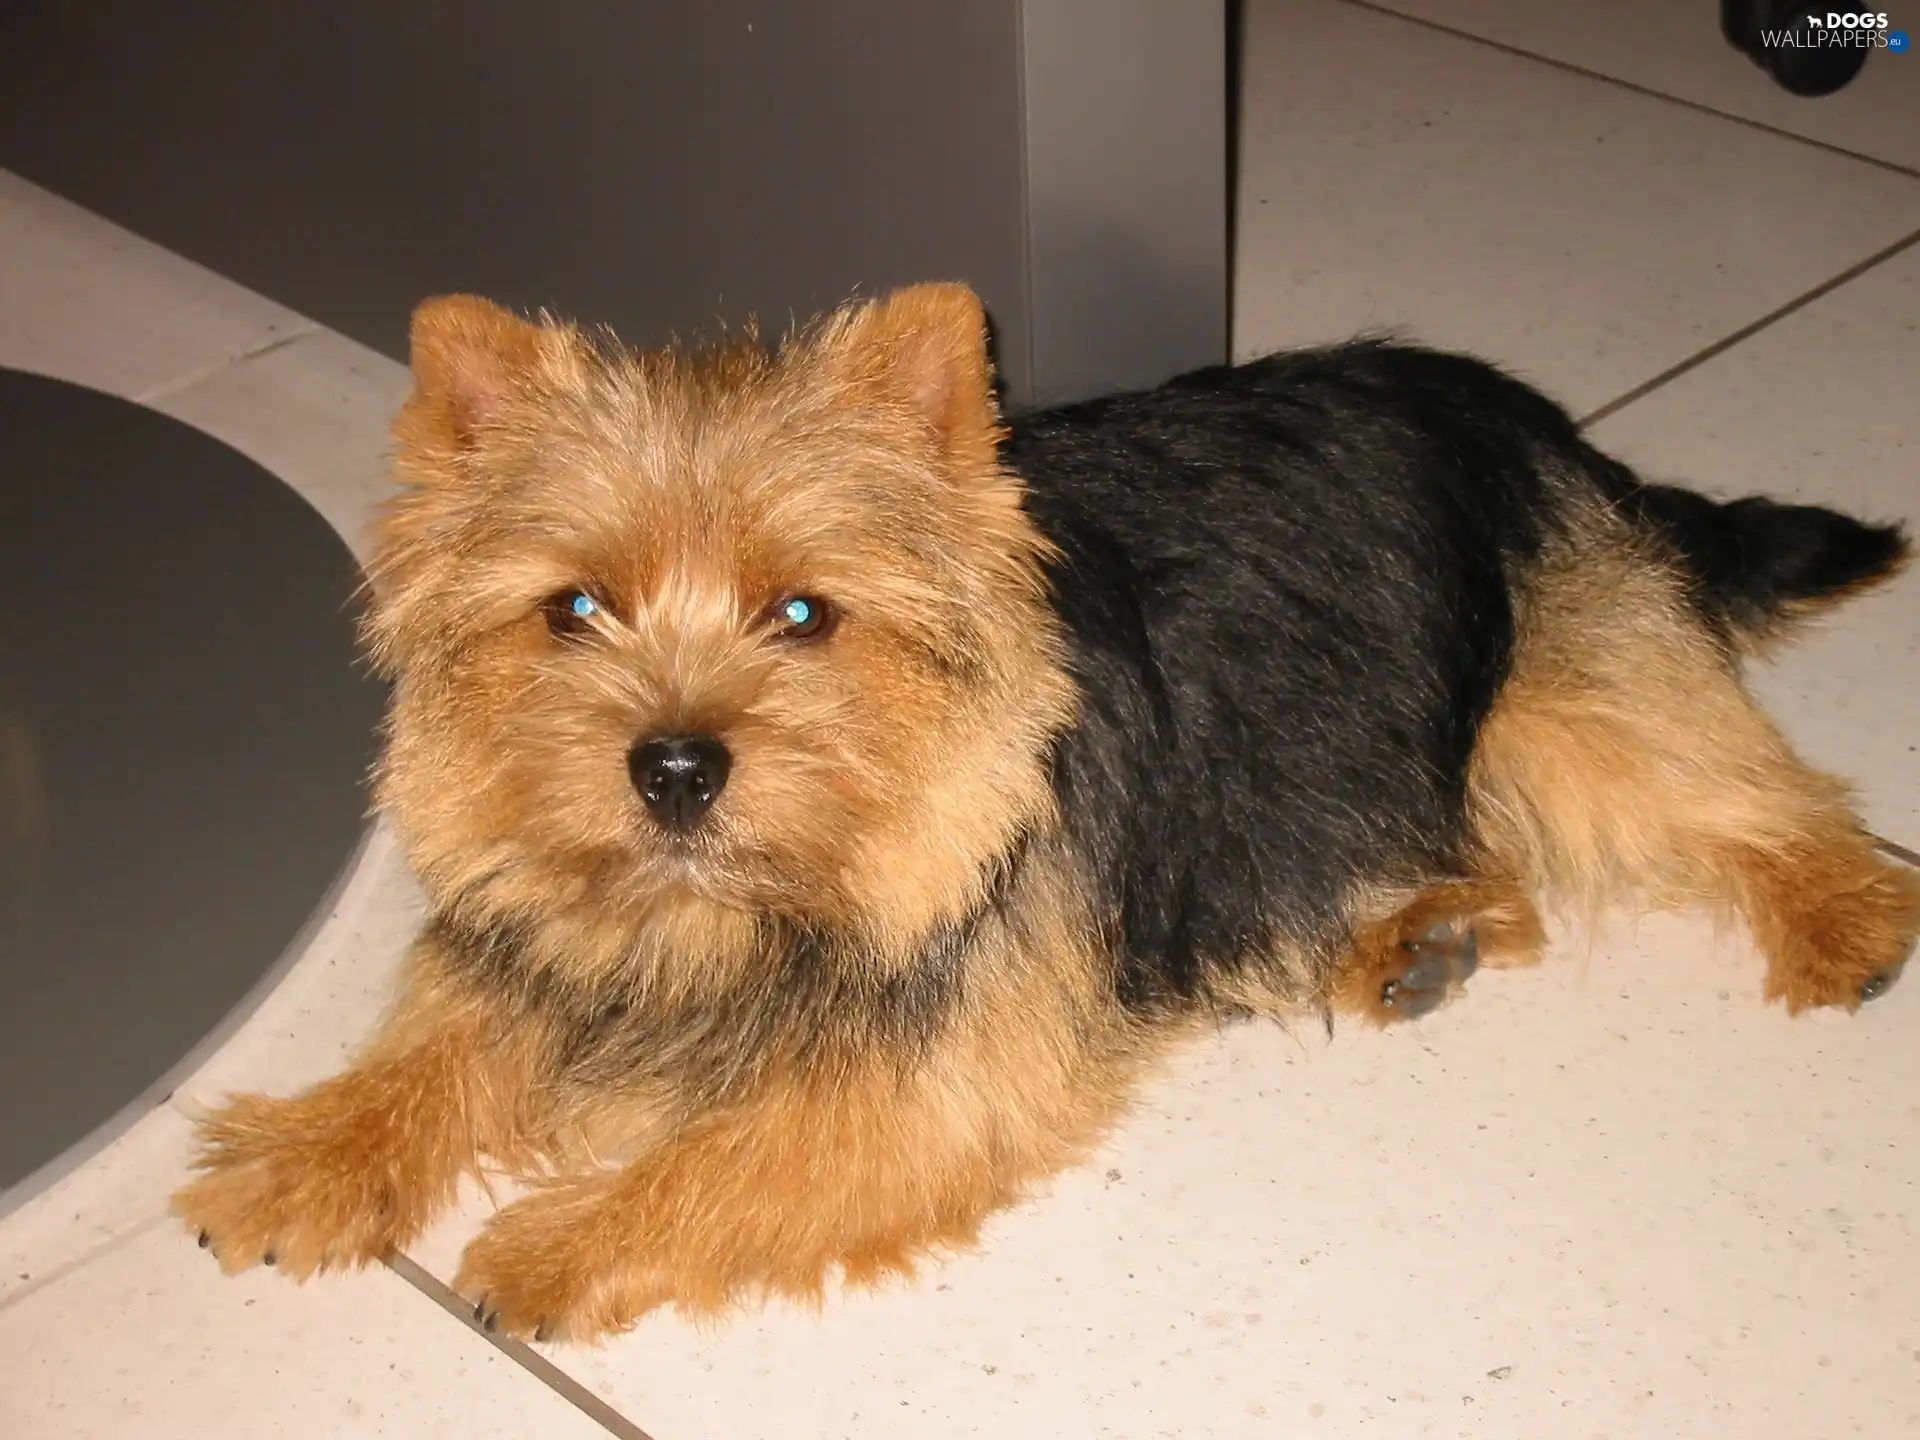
{"x": 316, "y": 413}
{"x": 98, "y": 1205}
{"x": 83, "y": 300}
{"x": 1678, "y": 50}
{"x": 1821, "y": 408}
{"x": 151, "y": 1342}
{"x": 1587, "y": 236}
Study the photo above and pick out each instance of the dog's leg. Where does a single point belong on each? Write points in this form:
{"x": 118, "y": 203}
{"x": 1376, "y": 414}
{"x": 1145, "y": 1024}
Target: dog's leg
{"x": 360, "y": 1163}
{"x": 852, "y": 1161}
{"x": 767, "y": 1203}
{"x": 856, "y": 1176}
{"x": 1409, "y": 961}
{"x": 1624, "y": 760}
{"x": 1835, "y": 920}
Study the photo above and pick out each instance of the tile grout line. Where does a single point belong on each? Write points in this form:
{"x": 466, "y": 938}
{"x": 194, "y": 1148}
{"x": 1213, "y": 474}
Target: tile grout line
{"x": 1894, "y": 851}
{"x": 187, "y": 382}
{"x": 1747, "y": 331}
{"x": 517, "y": 1351}
{"x": 39, "y": 1282}
{"x": 1698, "y": 107}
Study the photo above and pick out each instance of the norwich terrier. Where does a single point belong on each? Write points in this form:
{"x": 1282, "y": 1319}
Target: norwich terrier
{"x": 832, "y": 799}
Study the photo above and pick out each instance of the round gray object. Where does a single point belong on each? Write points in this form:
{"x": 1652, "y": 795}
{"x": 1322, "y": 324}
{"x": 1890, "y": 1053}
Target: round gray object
{"x": 185, "y": 736}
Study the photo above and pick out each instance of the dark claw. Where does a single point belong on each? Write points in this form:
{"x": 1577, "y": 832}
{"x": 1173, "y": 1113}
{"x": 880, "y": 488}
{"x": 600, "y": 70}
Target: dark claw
{"x": 205, "y": 1240}
{"x": 1410, "y": 1000}
{"x": 1469, "y": 954}
{"x": 1427, "y": 974}
{"x": 268, "y": 1258}
{"x": 1877, "y": 985}
{"x": 1446, "y": 957}
{"x": 542, "y": 1333}
{"x": 492, "y": 1322}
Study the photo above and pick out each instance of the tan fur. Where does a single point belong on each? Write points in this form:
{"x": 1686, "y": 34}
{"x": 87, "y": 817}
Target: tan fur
{"x": 1624, "y": 759}
{"x": 360, "y": 1164}
{"x": 719, "y": 465}
{"x": 846, "y": 1167}
{"x": 868, "y": 795}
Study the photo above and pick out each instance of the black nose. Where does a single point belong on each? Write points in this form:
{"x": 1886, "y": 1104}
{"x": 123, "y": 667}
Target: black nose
{"x": 679, "y": 777}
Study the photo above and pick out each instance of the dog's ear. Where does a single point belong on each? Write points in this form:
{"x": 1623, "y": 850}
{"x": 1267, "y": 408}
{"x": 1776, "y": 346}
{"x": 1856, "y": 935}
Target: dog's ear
{"x": 927, "y": 346}
{"x": 470, "y": 358}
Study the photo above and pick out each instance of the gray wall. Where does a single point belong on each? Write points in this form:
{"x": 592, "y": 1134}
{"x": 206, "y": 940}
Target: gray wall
{"x": 659, "y": 164}
{"x": 1126, "y": 124}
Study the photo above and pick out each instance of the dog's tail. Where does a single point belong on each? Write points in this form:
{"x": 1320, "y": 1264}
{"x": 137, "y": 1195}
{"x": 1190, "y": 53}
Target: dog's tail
{"x": 1759, "y": 565}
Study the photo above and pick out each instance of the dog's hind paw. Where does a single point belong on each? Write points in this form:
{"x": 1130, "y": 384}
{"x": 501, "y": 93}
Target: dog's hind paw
{"x": 1438, "y": 959}
{"x": 1411, "y": 961}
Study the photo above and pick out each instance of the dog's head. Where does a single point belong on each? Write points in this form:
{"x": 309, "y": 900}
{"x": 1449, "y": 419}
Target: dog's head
{"x": 713, "y": 634}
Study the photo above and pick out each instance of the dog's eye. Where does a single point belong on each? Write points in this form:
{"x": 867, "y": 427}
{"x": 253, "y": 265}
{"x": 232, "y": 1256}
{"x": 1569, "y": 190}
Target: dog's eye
{"x": 802, "y": 617}
{"x": 571, "y": 612}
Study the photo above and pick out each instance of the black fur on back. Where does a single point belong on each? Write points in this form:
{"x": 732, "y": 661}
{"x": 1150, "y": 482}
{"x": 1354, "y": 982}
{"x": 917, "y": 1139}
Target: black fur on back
{"x": 1288, "y": 594}
{"x": 1285, "y": 587}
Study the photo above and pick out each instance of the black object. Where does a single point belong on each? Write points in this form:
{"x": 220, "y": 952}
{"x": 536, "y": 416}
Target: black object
{"x": 680, "y": 777}
{"x": 184, "y": 736}
{"x": 1807, "y": 67}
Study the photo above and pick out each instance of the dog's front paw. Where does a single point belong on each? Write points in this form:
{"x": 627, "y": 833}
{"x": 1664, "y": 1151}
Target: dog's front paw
{"x": 281, "y": 1186}
{"x": 560, "y": 1264}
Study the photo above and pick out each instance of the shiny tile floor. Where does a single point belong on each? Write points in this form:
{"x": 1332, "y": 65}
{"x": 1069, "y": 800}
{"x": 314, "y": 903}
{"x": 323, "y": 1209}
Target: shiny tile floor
{"x": 1611, "y": 1197}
